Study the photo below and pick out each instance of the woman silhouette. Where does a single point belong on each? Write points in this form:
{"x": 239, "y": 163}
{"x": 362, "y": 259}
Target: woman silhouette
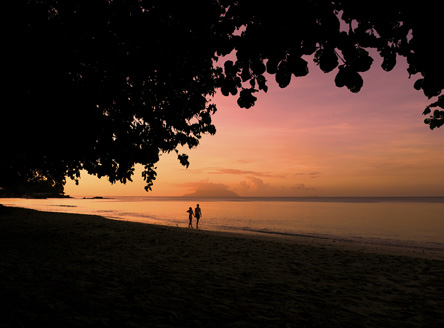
{"x": 190, "y": 223}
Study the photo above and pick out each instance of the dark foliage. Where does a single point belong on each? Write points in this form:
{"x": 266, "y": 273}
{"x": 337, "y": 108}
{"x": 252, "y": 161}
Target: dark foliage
{"x": 35, "y": 186}
{"x": 103, "y": 85}
{"x": 278, "y": 35}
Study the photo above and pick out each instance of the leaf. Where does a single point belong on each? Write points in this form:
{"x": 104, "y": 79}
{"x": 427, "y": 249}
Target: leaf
{"x": 225, "y": 90}
{"x": 341, "y": 77}
{"x": 230, "y": 86}
{"x": 241, "y": 102}
{"x": 246, "y": 98}
{"x": 326, "y": 59}
{"x": 440, "y": 101}
{"x": 363, "y": 62}
{"x": 298, "y": 66}
{"x": 272, "y": 65}
{"x": 356, "y": 83}
{"x": 233, "y": 90}
{"x": 308, "y": 47}
{"x": 436, "y": 120}
{"x": 258, "y": 67}
{"x": 412, "y": 70}
{"x": 261, "y": 81}
{"x": 230, "y": 68}
{"x": 283, "y": 75}
{"x": 228, "y": 65}
{"x": 350, "y": 53}
{"x": 348, "y": 77}
{"x": 418, "y": 84}
{"x": 430, "y": 86}
{"x": 183, "y": 159}
{"x": 389, "y": 62}
{"x": 246, "y": 74}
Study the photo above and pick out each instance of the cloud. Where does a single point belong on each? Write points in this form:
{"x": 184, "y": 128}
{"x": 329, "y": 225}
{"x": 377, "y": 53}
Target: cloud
{"x": 312, "y": 175}
{"x": 302, "y": 187}
{"x": 209, "y": 189}
{"x": 256, "y": 187}
{"x": 249, "y": 187}
{"x": 254, "y": 184}
{"x": 220, "y": 170}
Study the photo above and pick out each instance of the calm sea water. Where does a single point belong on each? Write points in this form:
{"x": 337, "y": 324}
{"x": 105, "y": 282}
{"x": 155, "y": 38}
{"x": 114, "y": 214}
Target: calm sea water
{"x": 417, "y": 222}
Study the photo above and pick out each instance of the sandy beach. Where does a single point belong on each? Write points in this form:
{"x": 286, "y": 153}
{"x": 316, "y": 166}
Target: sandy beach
{"x": 69, "y": 270}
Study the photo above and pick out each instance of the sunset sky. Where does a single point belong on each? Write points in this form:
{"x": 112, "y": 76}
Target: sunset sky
{"x": 309, "y": 139}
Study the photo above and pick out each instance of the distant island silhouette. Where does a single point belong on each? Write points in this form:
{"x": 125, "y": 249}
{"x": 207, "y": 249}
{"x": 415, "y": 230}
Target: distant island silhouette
{"x": 213, "y": 193}
{"x": 210, "y": 189}
{"x": 218, "y": 194}
{"x": 96, "y": 197}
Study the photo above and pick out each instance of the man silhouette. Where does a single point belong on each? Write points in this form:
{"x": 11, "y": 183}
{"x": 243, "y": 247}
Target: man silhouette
{"x": 197, "y": 215}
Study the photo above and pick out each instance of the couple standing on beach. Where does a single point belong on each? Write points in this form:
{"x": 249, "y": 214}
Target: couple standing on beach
{"x": 197, "y": 214}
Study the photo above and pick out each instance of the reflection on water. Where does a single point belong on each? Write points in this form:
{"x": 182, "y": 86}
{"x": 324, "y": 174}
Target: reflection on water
{"x": 400, "y": 219}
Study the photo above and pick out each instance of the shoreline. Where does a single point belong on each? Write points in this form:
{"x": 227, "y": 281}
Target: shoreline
{"x": 365, "y": 245}
{"x": 427, "y": 240}
{"x": 74, "y": 270}
{"x": 343, "y": 244}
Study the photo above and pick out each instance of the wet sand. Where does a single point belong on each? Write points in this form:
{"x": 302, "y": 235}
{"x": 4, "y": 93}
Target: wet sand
{"x": 69, "y": 270}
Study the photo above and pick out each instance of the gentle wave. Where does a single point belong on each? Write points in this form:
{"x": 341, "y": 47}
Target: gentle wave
{"x": 400, "y": 221}
{"x": 431, "y": 246}
{"x": 433, "y": 199}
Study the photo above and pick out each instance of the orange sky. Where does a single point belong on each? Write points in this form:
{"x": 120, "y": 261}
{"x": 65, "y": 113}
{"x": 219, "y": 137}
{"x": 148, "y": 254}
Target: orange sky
{"x": 309, "y": 139}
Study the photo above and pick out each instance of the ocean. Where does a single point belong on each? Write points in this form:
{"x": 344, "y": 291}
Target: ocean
{"x": 401, "y": 221}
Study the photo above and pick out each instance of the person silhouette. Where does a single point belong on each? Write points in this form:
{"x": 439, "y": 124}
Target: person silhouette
{"x": 197, "y": 215}
{"x": 190, "y": 217}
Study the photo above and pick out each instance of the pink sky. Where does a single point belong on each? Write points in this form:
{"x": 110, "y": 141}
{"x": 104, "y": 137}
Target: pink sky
{"x": 309, "y": 139}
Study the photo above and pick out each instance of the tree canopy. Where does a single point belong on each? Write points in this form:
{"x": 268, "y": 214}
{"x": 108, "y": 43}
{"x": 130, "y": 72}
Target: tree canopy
{"x": 279, "y": 37}
{"x": 103, "y": 85}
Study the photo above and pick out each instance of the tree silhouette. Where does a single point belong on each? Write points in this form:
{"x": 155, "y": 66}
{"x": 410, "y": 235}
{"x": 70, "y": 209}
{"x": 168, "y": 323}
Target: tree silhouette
{"x": 103, "y": 85}
{"x": 279, "y": 37}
